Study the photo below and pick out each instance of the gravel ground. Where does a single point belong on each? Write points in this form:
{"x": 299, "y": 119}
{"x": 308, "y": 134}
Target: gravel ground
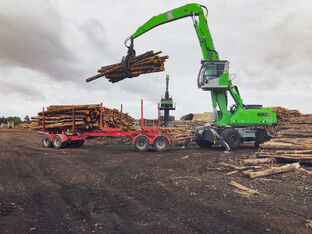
{"x": 110, "y": 188}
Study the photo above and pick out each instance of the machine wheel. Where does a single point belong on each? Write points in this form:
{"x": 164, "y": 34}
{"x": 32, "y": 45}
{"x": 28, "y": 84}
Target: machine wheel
{"x": 141, "y": 144}
{"x": 231, "y": 137}
{"x": 46, "y": 141}
{"x": 261, "y": 137}
{"x": 204, "y": 144}
{"x": 57, "y": 142}
{"x": 160, "y": 144}
{"x": 78, "y": 143}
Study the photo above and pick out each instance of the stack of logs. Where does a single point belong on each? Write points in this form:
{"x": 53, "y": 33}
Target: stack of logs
{"x": 180, "y": 128}
{"x": 145, "y": 63}
{"x": 293, "y": 139}
{"x": 283, "y": 116}
{"x": 174, "y": 132}
{"x": 60, "y": 118}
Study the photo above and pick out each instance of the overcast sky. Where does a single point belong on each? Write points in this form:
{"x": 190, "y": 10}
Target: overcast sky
{"x": 49, "y": 47}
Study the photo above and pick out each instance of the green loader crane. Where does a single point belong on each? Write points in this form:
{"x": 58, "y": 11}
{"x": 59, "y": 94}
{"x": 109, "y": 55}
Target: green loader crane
{"x": 231, "y": 126}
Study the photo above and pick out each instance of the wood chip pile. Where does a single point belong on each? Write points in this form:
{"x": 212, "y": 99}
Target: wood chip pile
{"x": 148, "y": 62}
{"x": 59, "y": 117}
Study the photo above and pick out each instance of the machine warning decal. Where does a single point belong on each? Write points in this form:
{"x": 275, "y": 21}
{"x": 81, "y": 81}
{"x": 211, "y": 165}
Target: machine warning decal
{"x": 169, "y": 15}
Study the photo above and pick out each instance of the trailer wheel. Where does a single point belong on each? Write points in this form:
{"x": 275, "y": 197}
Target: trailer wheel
{"x": 46, "y": 141}
{"x": 231, "y": 137}
{"x": 57, "y": 142}
{"x": 78, "y": 143}
{"x": 204, "y": 144}
{"x": 141, "y": 144}
{"x": 160, "y": 144}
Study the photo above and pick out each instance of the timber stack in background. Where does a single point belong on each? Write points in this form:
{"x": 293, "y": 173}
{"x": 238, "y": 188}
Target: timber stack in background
{"x": 60, "y": 117}
{"x": 148, "y": 62}
{"x": 180, "y": 128}
{"x": 293, "y": 139}
{"x": 283, "y": 116}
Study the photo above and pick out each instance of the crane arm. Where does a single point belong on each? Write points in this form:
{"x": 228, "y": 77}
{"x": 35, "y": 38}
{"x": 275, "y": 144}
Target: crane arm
{"x": 200, "y": 25}
{"x": 214, "y": 73}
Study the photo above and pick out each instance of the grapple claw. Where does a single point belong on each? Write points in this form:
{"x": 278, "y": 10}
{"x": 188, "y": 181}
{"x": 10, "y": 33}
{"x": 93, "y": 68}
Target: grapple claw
{"x": 125, "y": 59}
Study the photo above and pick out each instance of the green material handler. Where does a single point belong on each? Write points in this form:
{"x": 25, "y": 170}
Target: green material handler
{"x": 229, "y": 126}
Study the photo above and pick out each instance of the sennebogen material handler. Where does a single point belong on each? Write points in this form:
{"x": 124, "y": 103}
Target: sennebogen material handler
{"x": 231, "y": 126}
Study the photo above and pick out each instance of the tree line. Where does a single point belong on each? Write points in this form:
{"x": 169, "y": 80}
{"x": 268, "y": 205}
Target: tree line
{"x": 17, "y": 120}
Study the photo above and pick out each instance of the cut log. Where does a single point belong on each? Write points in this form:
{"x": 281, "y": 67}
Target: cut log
{"x": 257, "y": 161}
{"x": 248, "y": 191}
{"x": 274, "y": 170}
{"x": 231, "y": 173}
{"x": 60, "y": 125}
{"x": 305, "y": 171}
{"x": 239, "y": 168}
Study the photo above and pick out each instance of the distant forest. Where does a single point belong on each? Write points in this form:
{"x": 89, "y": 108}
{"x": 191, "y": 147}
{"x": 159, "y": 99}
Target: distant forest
{"x": 15, "y": 119}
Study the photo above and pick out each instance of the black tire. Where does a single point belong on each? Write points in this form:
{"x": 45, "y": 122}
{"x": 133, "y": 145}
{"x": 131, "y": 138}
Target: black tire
{"x": 141, "y": 144}
{"x": 78, "y": 143}
{"x": 57, "y": 142}
{"x": 231, "y": 137}
{"x": 160, "y": 144}
{"x": 261, "y": 137}
{"x": 204, "y": 143}
{"x": 46, "y": 141}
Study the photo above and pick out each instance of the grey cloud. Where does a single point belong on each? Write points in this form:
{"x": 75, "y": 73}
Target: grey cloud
{"x": 33, "y": 38}
{"x": 28, "y": 93}
{"x": 293, "y": 37}
{"x": 276, "y": 47}
{"x": 96, "y": 34}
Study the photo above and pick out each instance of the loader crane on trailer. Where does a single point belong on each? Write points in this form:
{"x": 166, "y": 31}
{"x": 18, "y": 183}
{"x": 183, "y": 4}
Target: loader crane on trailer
{"x": 229, "y": 127}
{"x": 166, "y": 104}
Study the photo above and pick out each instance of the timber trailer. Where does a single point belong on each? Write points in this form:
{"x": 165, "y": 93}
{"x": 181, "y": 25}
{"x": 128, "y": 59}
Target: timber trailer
{"x": 231, "y": 126}
{"x": 143, "y": 139}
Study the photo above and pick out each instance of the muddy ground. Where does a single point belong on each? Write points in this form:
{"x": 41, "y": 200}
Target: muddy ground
{"x": 110, "y": 188}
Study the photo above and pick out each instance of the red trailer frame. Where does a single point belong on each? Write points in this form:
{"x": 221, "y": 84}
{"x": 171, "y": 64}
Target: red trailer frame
{"x": 142, "y": 140}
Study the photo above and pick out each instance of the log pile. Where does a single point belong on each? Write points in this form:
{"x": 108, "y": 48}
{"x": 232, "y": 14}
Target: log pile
{"x": 177, "y": 129}
{"x": 261, "y": 167}
{"x": 273, "y": 170}
{"x": 283, "y": 116}
{"x": 60, "y": 118}
{"x": 174, "y": 132}
{"x": 180, "y": 128}
{"x": 148, "y": 62}
{"x": 293, "y": 141}
{"x": 24, "y": 125}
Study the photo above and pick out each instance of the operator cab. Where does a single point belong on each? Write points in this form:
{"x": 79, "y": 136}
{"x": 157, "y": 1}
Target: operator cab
{"x": 210, "y": 73}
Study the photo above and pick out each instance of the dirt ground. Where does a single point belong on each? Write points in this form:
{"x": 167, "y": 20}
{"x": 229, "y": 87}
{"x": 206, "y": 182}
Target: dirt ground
{"x": 110, "y": 188}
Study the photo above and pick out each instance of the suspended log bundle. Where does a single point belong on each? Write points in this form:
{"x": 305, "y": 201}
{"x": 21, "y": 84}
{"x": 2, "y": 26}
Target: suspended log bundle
{"x": 293, "y": 141}
{"x": 148, "y": 62}
{"x": 60, "y": 118}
